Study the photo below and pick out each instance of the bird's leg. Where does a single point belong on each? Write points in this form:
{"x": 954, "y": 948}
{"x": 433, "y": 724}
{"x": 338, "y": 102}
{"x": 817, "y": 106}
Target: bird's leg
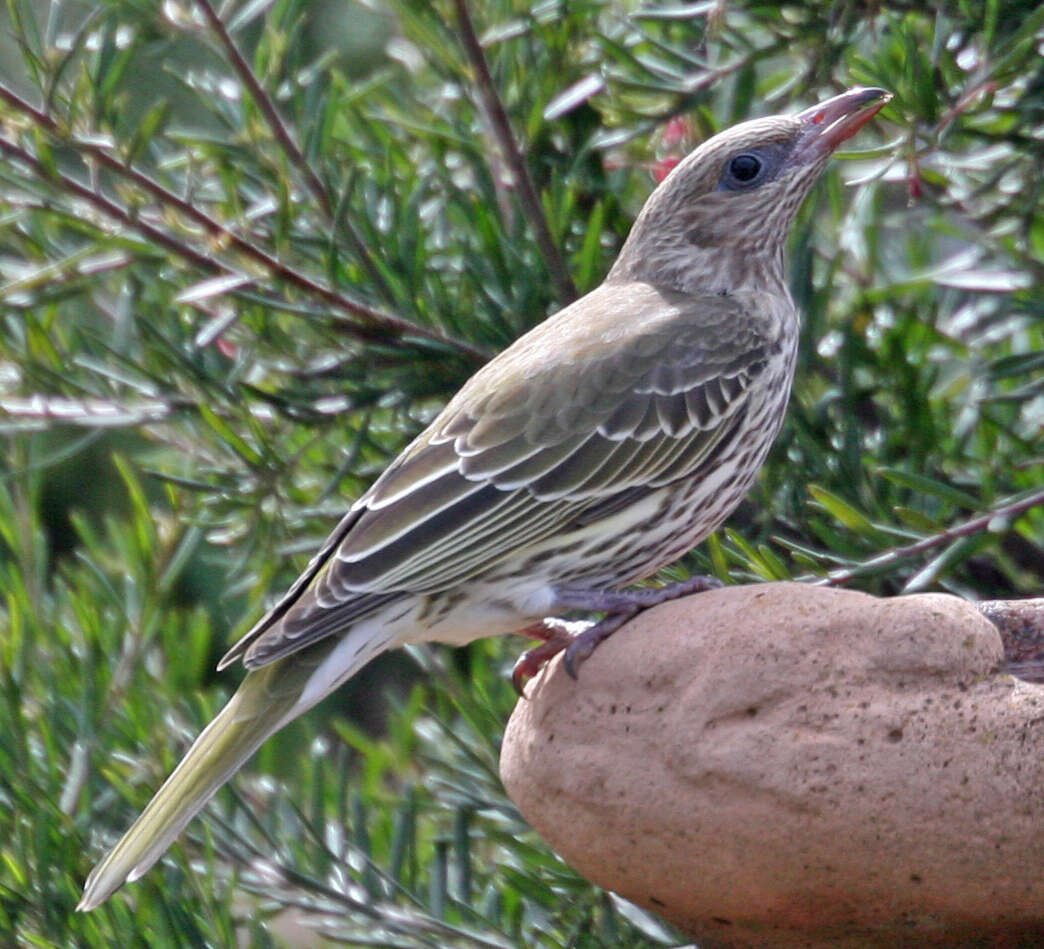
{"x": 620, "y": 606}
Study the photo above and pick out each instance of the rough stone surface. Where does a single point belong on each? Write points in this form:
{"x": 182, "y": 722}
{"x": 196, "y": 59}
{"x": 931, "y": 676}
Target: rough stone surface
{"x": 781, "y": 765}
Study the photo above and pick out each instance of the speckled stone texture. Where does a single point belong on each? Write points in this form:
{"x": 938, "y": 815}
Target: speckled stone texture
{"x": 782, "y": 765}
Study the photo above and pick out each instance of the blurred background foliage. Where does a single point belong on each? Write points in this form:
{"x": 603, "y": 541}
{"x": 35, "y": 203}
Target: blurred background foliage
{"x": 247, "y": 252}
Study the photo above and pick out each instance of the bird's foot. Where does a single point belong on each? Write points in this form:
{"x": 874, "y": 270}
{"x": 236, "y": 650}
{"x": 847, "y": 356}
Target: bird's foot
{"x": 622, "y": 601}
{"x": 620, "y": 606}
{"x": 556, "y": 637}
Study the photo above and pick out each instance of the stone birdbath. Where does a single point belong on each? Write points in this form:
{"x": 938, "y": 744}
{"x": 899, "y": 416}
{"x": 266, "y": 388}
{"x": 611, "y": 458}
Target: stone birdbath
{"x": 784, "y": 765}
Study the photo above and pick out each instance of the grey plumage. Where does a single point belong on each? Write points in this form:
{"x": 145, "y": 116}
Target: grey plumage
{"x": 530, "y": 447}
{"x": 602, "y": 445}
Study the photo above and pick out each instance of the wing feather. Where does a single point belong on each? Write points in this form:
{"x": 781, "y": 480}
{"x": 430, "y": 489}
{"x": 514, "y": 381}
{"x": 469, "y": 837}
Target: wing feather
{"x": 608, "y": 400}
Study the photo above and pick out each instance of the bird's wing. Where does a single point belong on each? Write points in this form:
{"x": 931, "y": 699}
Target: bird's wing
{"x": 625, "y": 391}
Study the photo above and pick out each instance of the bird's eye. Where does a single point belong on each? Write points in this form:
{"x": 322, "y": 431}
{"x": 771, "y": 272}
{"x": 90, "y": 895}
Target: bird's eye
{"x": 753, "y": 168}
{"x": 744, "y": 169}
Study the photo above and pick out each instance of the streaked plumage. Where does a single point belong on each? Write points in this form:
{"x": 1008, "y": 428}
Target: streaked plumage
{"x": 602, "y": 445}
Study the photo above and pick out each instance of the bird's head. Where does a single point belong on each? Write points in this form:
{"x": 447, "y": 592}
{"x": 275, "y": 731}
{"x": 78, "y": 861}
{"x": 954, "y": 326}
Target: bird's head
{"x": 719, "y": 221}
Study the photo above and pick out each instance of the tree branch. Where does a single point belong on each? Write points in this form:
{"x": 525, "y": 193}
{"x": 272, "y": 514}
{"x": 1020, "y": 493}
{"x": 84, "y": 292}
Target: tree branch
{"x": 528, "y": 197}
{"x": 972, "y": 526}
{"x": 285, "y": 137}
{"x": 368, "y": 322}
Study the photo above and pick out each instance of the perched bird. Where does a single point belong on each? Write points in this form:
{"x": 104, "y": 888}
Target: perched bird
{"x": 602, "y": 445}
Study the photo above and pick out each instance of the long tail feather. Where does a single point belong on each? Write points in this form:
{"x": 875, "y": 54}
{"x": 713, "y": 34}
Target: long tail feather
{"x": 268, "y": 699}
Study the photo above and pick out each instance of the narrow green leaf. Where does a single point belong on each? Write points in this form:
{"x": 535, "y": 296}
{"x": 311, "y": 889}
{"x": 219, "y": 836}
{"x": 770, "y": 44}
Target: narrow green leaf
{"x": 842, "y": 510}
{"x": 931, "y": 486}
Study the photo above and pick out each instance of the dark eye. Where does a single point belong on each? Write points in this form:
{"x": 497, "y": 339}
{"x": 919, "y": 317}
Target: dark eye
{"x": 752, "y": 169}
{"x": 744, "y": 169}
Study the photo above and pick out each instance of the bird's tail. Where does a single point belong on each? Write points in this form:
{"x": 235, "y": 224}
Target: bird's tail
{"x": 268, "y": 699}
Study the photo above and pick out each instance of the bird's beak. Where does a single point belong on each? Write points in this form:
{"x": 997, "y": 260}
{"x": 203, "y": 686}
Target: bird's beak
{"x": 828, "y": 124}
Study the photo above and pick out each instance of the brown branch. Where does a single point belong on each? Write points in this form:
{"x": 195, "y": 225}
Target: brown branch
{"x": 528, "y": 197}
{"x": 368, "y": 321}
{"x": 1021, "y": 627}
{"x": 289, "y": 145}
{"x": 972, "y": 526}
{"x": 268, "y": 108}
{"x": 110, "y": 207}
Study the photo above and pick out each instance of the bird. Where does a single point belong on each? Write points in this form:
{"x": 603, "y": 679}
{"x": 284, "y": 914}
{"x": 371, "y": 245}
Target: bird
{"x": 599, "y": 447}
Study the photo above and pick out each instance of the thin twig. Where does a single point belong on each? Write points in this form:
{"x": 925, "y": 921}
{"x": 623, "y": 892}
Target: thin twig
{"x": 373, "y": 323}
{"x": 369, "y": 322}
{"x": 285, "y": 137}
{"x": 527, "y": 193}
{"x": 110, "y": 207}
{"x": 268, "y": 108}
{"x": 972, "y": 526}
{"x": 96, "y": 413}
{"x": 265, "y": 865}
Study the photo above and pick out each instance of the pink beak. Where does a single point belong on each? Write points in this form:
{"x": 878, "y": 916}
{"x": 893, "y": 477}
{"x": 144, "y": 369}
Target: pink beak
{"x": 831, "y": 122}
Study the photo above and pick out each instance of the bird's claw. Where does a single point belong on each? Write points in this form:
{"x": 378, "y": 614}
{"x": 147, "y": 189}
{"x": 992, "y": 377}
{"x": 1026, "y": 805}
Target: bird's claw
{"x": 582, "y": 646}
{"x": 621, "y": 606}
{"x": 556, "y": 637}
{"x": 530, "y": 663}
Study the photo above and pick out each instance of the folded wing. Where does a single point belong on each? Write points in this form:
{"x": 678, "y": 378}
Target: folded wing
{"x": 627, "y": 390}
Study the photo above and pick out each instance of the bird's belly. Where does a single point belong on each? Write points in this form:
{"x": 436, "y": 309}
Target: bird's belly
{"x": 520, "y": 590}
{"x": 492, "y": 606}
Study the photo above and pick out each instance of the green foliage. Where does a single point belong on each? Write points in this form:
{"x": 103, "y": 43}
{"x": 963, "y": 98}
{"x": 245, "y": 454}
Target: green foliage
{"x": 232, "y": 289}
